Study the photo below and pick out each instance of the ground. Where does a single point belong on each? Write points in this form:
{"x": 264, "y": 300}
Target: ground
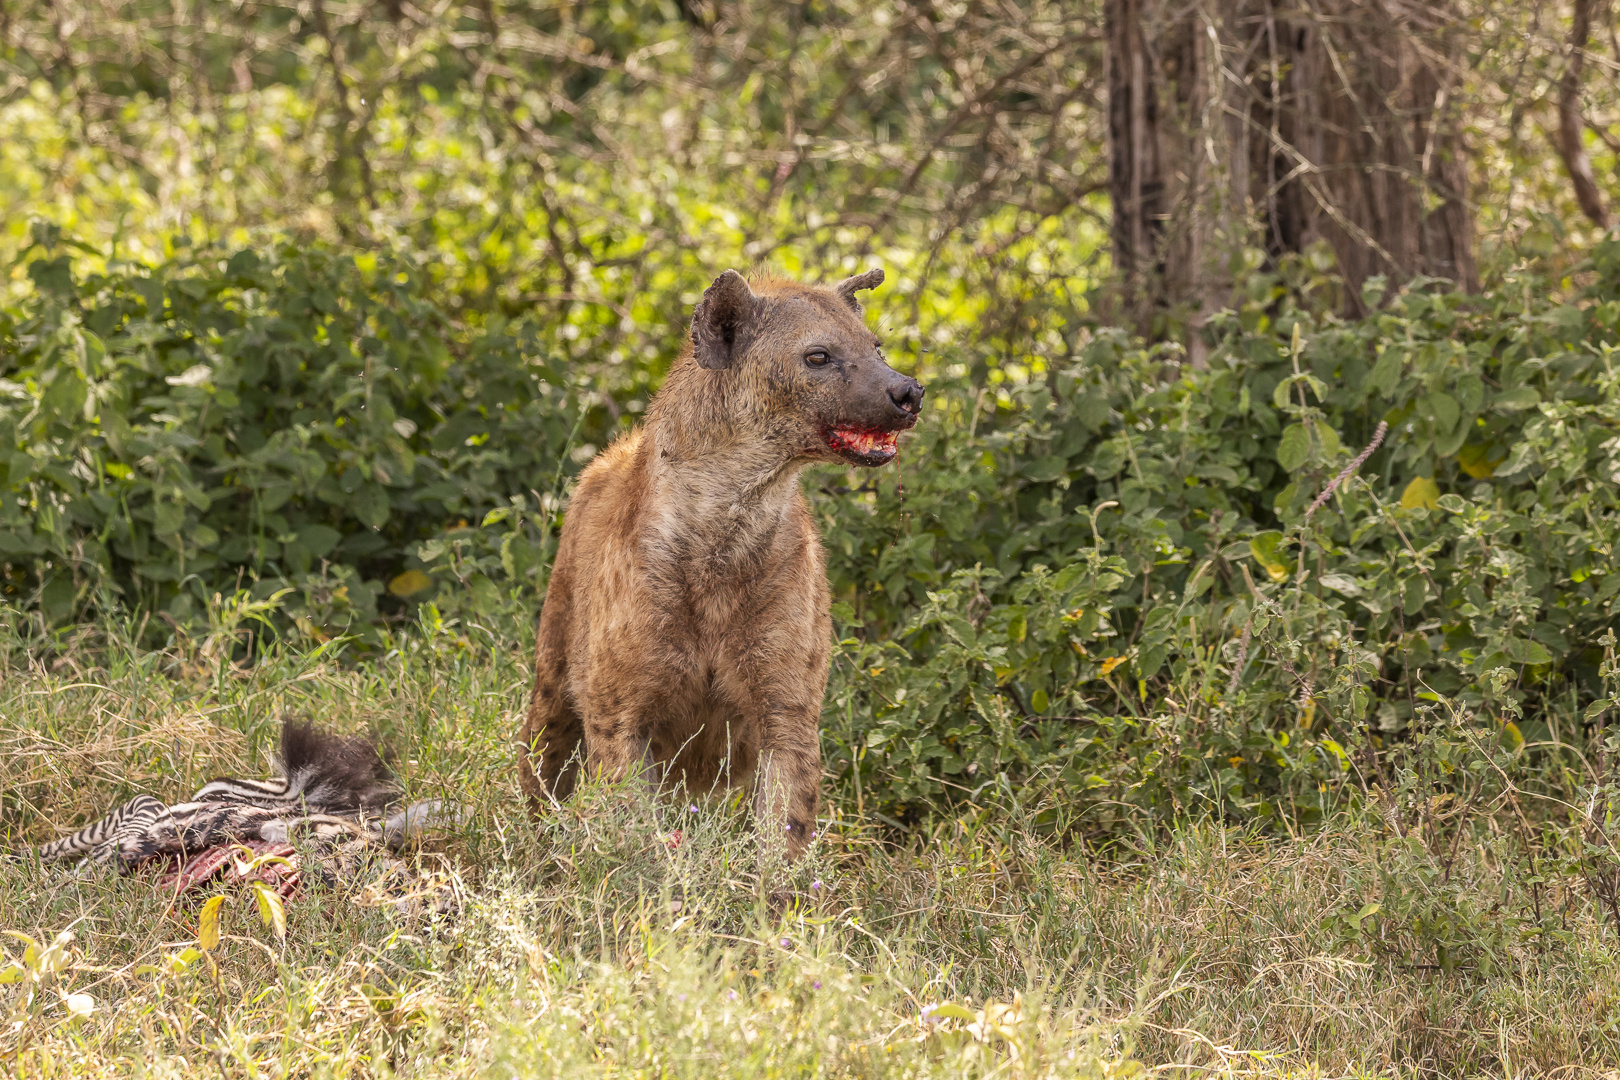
{"x": 624, "y": 937}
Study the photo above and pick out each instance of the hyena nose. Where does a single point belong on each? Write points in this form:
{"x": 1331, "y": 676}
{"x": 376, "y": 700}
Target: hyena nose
{"x": 907, "y": 395}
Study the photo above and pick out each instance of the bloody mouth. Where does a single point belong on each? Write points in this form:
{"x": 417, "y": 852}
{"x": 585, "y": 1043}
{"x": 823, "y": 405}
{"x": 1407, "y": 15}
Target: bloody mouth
{"x": 863, "y": 441}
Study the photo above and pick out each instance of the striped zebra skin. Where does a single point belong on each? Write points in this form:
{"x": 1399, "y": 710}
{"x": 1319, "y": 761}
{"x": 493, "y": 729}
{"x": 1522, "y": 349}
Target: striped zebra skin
{"x": 332, "y": 790}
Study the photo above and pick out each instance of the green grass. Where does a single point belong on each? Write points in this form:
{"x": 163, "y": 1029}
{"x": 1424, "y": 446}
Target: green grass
{"x": 593, "y": 946}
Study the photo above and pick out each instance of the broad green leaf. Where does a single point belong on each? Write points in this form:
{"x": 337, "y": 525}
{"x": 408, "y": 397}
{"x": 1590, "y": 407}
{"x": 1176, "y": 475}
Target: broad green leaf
{"x": 1285, "y": 498}
{"x": 1387, "y": 372}
{"x": 1341, "y": 583}
{"x": 1294, "y": 448}
{"x": 1528, "y": 652}
{"x": 167, "y": 517}
{"x": 1107, "y": 460}
{"x": 1092, "y": 410}
{"x": 1470, "y": 391}
{"x": 243, "y": 264}
{"x": 56, "y": 598}
{"x": 1328, "y": 437}
{"x": 1224, "y": 474}
{"x": 297, "y": 558}
{"x": 1046, "y": 469}
{"x": 1516, "y": 400}
{"x": 273, "y": 496}
{"x": 1283, "y": 395}
{"x": 1443, "y": 409}
{"x": 1448, "y": 445}
{"x": 370, "y": 505}
{"x": 319, "y": 540}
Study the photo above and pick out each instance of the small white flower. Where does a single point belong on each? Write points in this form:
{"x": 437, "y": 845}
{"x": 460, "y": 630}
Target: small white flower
{"x": 195, "y": 375}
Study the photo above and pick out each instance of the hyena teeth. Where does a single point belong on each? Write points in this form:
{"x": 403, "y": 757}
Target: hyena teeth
{"x": 863, "y": 442}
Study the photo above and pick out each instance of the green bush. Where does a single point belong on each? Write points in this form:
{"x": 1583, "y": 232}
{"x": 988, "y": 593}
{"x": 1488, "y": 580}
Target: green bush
{"x": 1108, "y": 574}
{"x": 1100, "y": 571}
{"x": 276, "y": 421}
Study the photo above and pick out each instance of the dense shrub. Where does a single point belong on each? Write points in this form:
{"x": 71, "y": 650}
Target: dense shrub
{"x": 277, "y": 421}
{"x": 1100, "y": 571}
{"x": 1110, "y": 571}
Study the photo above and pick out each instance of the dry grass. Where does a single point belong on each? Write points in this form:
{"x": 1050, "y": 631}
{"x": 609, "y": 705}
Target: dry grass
{"x": 594, "y": 946}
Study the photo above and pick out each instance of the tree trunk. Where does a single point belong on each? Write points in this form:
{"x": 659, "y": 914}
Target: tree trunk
{"x": 1572, "y": 125}
{"x": 1159, "y": 64}
{"x": 1135, "y": 181}
{"x": 1242, "y": 123}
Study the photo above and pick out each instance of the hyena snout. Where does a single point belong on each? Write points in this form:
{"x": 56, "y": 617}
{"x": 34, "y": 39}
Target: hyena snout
{"x": 906, "y": 394}
{"x": 879, "y": 398}
{"x": 880, "y": 405}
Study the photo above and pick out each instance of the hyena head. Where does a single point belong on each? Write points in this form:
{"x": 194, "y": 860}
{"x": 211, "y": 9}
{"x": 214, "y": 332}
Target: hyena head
{"x": 795, "y": 366}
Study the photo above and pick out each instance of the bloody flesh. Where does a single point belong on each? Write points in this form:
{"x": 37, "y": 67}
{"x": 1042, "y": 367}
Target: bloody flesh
{"x": 862, "y": 440}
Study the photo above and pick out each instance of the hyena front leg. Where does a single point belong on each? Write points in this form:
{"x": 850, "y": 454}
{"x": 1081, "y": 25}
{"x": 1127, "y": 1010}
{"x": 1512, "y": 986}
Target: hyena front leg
{"x": 618, "y": 743}
{"x": 787, "y": 783}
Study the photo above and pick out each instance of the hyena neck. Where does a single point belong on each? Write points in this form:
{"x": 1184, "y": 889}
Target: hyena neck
{"x": 728, "y": 500}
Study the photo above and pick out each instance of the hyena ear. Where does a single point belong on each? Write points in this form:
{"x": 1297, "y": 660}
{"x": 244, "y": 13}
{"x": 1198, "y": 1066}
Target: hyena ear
{"x": 723, "y": 321}
{"x": 859, "y": 283}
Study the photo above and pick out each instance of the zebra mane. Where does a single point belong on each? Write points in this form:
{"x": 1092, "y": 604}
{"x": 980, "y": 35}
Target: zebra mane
{"x": 326, "y": 772}
{"x": 332, "y": 787}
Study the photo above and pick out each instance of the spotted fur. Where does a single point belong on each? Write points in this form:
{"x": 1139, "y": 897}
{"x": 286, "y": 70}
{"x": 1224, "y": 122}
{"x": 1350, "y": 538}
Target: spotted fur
{"x": 685, "y": 634}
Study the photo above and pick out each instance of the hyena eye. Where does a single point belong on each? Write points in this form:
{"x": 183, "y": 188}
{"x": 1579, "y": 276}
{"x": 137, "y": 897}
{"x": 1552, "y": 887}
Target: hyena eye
{"x": 816, "y": 358}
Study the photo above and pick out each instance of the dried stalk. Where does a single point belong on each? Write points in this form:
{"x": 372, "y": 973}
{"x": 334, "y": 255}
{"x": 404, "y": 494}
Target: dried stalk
{"x": 1350, "y": 469}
